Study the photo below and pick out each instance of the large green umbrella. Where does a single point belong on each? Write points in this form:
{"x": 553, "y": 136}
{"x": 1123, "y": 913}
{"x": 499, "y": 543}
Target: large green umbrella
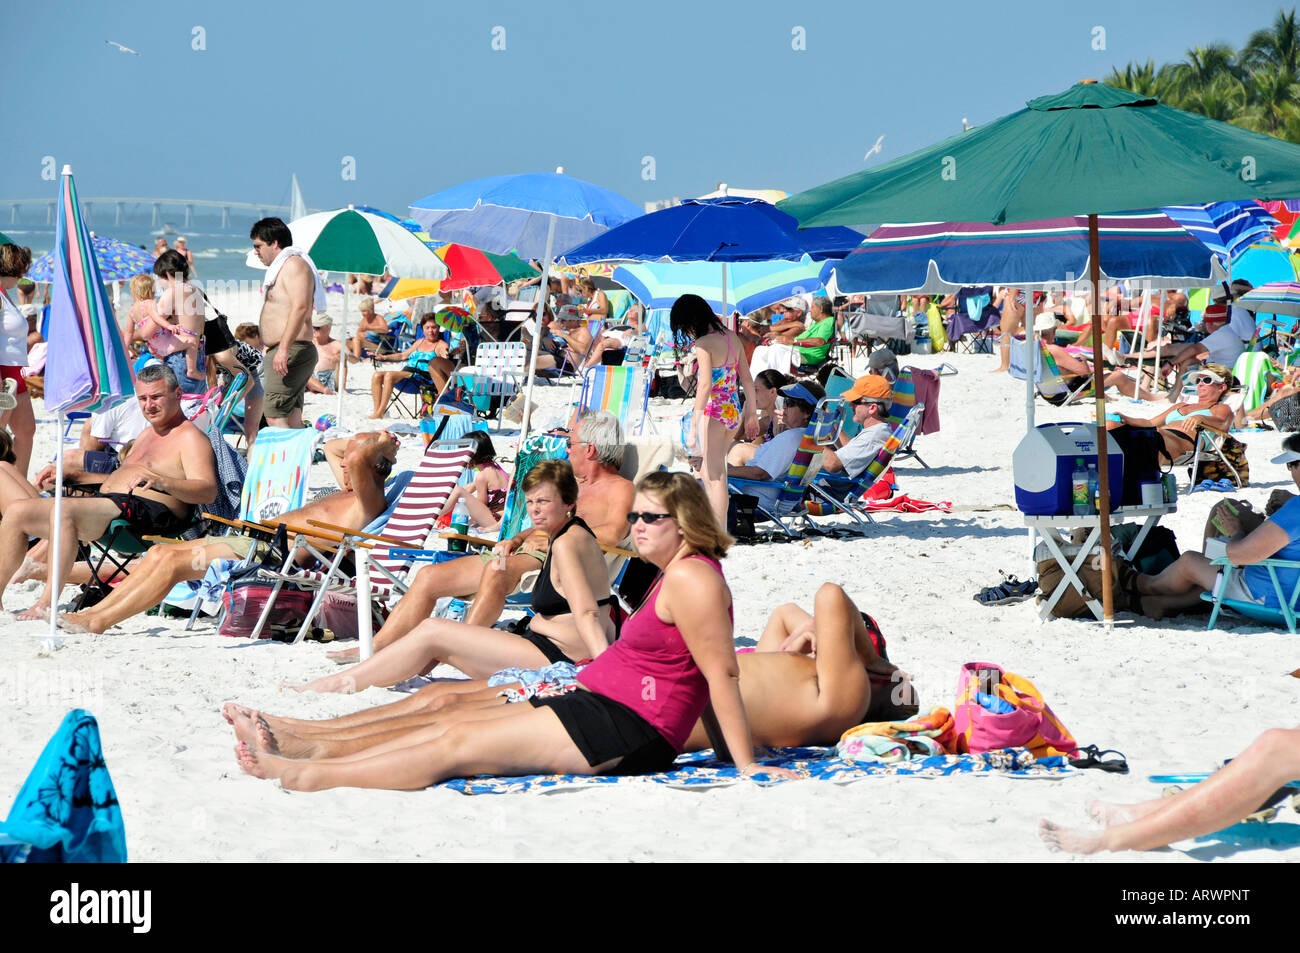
{"x": 1089, "y": 150}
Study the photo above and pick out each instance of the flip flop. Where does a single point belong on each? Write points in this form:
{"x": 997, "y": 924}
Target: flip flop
{"x": 1093, "y": 757}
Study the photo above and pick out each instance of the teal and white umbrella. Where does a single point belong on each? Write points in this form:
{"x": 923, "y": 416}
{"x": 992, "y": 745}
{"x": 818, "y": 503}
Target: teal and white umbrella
{"x": 750, "y": 285}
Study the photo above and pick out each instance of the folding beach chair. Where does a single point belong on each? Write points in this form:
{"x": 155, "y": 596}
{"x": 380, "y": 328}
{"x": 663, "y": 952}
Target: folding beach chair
{"x": 786, "y": 498}
{"x": 389, "y": 554}
{"x": 834, "y": 491}
{"x": 1211, "y": 444}
{"x": 497, "y": 375}
{"x": 904, "y": 401}
{"x": 1049, "y": 382}
{"x": 622, "y": 390}
{"x": 1255, "y": 370}
{"x": 1285, "y": 615}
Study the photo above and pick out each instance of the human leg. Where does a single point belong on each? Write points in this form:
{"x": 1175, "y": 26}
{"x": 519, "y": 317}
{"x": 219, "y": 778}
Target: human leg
{"x": 14, "y": 486}
{"x": 715, "y": 439}
{"x": 497, "y": 581}
{"x": 22, "y": 422}
{"x": 77, "y": 519}
{"x": 1220, "y": 800}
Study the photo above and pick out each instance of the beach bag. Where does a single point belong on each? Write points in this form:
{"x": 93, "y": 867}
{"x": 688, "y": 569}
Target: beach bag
{"x": 997, "y": 709}
{"x": 1285, "y": 414}
{"x": 1211, "y": 468}
{"x": 740, "y": 515}
{"x": 1072, "y": 604}
{"x": 245, "y": 599}
{"x": 938, "y": 334}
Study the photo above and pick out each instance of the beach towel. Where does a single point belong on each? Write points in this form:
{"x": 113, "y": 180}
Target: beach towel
{"x": 232, "y": 473}
{"x": 905, "y": 504}
{"x": 278, "y": 465}
{"x": 273, "y": 272}
{"x": 702, "y": 770}
{"x": 67, "y": 810}
{"x": 923, "y": 736}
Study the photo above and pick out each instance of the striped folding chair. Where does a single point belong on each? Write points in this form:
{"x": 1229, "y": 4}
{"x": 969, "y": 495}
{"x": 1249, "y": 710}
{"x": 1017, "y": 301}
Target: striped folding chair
{"x": 904, "y": 401}
{"x": 834, "y": 491}
{"x": 623, "y": 390}
{"x": 388, "y": 554}
{"x": 499, "y": 371}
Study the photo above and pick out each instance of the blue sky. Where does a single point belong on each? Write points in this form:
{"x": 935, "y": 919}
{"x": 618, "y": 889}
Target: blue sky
{"x": 418, "y": 96}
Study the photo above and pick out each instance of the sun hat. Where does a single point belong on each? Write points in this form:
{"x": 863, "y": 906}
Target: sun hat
{"x": 799, "y": 392}
{"x": 869, "y": 385}
{"x": 321, "y": 321}
{"x": 1046, "y": 321}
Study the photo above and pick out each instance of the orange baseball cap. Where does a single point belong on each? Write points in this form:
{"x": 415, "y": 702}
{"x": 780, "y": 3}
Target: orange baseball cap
{"x": 869, "y": 385}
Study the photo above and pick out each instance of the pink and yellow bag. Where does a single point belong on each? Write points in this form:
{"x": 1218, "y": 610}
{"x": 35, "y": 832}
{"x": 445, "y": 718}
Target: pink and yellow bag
{"x": 1029, "y": 723}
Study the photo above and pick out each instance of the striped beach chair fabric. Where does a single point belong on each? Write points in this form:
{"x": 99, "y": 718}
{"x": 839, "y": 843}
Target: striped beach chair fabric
{"x": 499, "y": 370}
{"x": 622, "y": 390}
{"x": 834, "y": 491}
{"x": 388, "y": 554}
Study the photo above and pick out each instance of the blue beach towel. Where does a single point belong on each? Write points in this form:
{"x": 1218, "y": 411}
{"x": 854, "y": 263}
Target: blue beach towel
{"x": 67, "y": 810}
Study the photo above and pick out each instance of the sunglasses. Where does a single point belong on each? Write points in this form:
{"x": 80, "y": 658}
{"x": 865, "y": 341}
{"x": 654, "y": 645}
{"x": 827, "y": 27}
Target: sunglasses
{"x": 1292, "y": 464}
{"x": 649, "y": 518}
{"x": 1206, "y": 379}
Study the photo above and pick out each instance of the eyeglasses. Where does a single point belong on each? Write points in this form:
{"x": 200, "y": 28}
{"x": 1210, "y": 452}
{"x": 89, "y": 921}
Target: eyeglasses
{"x": 1206, "y": 379}
{"x": 650, "y": 518}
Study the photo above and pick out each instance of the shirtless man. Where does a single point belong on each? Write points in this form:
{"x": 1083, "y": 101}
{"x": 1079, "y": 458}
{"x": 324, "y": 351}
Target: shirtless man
{"x": 604, "y": 498}
{"x": 367, "y": 462}
{"x": 810, "y": 679}
{"x": 286, "y": 330}
{"x": 370, "y": 323}
{"x": 169, "y": 469}
{"x": 324, "y": 379}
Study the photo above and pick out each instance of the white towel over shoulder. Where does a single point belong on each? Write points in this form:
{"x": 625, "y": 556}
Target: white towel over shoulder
{"x": 273, "y": 272}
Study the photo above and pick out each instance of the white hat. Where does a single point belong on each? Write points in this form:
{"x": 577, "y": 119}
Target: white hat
{"x": 1045, "y": 321}
{"x": 322, "y": 321}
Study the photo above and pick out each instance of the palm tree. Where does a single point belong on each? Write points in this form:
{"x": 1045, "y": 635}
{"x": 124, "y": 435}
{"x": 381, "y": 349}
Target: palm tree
{"x": 1222, "y": 98}
{"x": 1270, "y": 91}
{"x": 1144, "y": 79}
{"x": 1203, "y": 65}
{"x": 1278, "y": 47}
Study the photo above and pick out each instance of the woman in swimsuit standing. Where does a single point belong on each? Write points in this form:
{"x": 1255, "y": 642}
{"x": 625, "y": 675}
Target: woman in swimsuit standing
{"x": 571, "y": 601}
{"x": 636, "y": 703}
{"x": 720, "y": 361}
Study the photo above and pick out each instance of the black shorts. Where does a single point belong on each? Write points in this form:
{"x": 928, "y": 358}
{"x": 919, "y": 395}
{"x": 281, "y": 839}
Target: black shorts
{"x": 602, "y": 729}
{"x": 546, "y": 647}
{"x": 148, "y": 516}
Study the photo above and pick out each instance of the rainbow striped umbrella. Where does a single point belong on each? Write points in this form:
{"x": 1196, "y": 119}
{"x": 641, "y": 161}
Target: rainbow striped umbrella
{"x": 1278, "y": 297}
{"x": 86, "y": 367}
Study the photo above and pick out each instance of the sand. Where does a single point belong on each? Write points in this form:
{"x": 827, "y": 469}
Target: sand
{"x": 1170, "y": 695}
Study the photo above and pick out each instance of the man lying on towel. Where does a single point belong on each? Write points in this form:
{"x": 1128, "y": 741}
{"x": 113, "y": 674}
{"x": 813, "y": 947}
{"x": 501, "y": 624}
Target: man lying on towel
{"x": 170, "y": 469}
{"x": 367, "y": 461}
{"x": 810, "y": 679}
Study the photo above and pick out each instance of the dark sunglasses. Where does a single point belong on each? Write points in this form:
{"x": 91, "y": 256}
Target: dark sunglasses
{"x": 1291, "y": 465}
{"x": 650, "y": 518}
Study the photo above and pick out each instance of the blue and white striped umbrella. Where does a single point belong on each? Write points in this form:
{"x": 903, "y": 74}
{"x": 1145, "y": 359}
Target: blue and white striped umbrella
{"x": 1226, "y": 228}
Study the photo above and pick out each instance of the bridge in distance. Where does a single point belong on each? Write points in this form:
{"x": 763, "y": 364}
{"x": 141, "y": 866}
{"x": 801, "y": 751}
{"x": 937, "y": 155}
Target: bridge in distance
{"x": 96, "y": 210}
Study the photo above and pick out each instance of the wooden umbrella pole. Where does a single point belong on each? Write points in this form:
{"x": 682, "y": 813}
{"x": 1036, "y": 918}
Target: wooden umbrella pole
{"x": 1103, "y": 468}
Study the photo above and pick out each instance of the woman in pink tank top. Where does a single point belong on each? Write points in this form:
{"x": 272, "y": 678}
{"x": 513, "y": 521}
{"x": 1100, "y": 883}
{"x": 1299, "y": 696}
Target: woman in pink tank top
{"x": 673, "y": 662}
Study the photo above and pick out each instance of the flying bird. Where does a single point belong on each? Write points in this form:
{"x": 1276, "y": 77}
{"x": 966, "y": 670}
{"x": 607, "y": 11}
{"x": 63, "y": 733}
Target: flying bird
{"x": 874, "y": 149}
{"x": 124, "y": 49}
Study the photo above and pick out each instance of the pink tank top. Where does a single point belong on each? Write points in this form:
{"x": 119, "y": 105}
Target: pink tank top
{"x": 651, "y": 671}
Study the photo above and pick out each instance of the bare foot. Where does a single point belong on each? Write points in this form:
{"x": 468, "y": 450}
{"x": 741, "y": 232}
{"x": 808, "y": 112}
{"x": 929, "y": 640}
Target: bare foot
{"x": 230, "y": 709}
{"x": 1071, "y": 842}
{"x": 345, "y": 656}
{"x": 251, "y": 762}
{"x": 1109, "y": 815}
{"x": 376, "y": 416}
{"x": 30, "y": 569}
{"x": 80, "y": 622}
{"x": 37, "y": 613}
{"x": 246, "y": 729}
{"x": 998, "y": 370}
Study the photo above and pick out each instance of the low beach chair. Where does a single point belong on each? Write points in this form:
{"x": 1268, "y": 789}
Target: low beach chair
{"x": 905, "y": 400}
{"x": 406, "y": 529}
{"x": 1285, "y": 615}
{"x": 786, "y": 498}
{"x": 1211, "y": 445}
{"x": 834, "y": 491}
{"x": 623, "y": 390}
{"x": 497, "y": 375}
{"x": 1053, "y": 386}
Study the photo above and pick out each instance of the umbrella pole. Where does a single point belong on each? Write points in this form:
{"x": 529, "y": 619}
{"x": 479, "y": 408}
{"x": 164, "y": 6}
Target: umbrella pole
{"x": 1031, "y": 345}
{"x": 542, "y": 295}
{"x": 1145, "y": 314}
{"x": 726, "y": 314}
{"x": 343, "y": 349}
{"x": 1103, "y": 460}
{"x": 1160, "y": 332}
{"x": 53, "y": 578}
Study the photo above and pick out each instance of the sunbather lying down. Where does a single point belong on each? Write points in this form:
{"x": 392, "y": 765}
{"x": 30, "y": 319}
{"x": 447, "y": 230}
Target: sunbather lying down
{"x": 810, "y": 679}
{"x": 1222, "y": 799}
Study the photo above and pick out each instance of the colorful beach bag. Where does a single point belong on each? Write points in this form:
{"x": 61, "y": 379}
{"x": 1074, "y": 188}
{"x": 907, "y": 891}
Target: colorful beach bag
{"x": 997, "y": 709}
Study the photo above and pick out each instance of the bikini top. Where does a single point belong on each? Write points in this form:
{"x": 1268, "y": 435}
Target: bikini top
{"x": 546, "y": 600}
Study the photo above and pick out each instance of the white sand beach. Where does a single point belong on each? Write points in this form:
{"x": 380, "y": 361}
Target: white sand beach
{"x": 1170, "y": 695}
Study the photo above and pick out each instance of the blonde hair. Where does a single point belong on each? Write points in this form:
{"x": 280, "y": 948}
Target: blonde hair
{"x": 366, "y": 304}
{"x": 684, "y": 499}
{"x": 141, "y": 287}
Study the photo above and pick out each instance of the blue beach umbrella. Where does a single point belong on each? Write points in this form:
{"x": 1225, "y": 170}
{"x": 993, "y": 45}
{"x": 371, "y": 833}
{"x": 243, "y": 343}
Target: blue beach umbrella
{"x": 750, "y": 284}
{"x": 1227, "y": 228}
{"x": 117, "y": 261}
{"x": 530, "y": 214}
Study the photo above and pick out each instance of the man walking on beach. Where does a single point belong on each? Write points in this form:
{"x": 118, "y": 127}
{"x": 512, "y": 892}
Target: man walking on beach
{"x": 291, "y": 288}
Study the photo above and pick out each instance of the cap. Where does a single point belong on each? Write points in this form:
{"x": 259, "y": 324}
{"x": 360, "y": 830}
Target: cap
{"x": 321, "y": 321}
{"x": 1046, "y": 321}
{"x": 799, "y": 392}
{"x": 1286, "y": 456}
{"x": 796, "y": 304}
{"x": 869, "y": 385}
{"x": 1215, "y": 312}
{"x": 179, "y": 239}
{"x": 882, "y": 357}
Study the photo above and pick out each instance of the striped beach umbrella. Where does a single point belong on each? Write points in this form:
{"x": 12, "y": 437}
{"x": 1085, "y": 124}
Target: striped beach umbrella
{"x": 1278, "y": 297}
{"x": 86, "y": 367}
{"x": 750, "y": 284}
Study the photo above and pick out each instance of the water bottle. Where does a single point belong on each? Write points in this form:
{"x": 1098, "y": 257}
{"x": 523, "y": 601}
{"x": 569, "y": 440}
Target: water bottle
{"x": 459, "y": 524}
{"x": 1079, "y": 488}
{"x": 1094, "y": 490}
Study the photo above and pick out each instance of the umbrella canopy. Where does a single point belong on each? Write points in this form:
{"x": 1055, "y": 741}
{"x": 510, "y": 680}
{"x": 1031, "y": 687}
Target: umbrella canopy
{"x": 469, "y": 267}
{"x": 1278, "y": 297}
{"x": 750, "y": 285}
{"x": 6, "y": 240}
{"x": 453, "y": 319}
{"x": 721, "y": 230}
{"x": 117, "y": 261}
{"x": 1090, "y": 149}
{"x": 347, "y": 240}
{"x": 86, "y": 367}
{"x": 503, "y": 213}
{"x": 940, "y": 258}
{"x": 1226, "y": 228}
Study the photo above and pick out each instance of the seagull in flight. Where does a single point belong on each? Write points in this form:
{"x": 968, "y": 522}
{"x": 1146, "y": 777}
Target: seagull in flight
{"x": 874, "y": 149}
{"x": 124, "y": 49}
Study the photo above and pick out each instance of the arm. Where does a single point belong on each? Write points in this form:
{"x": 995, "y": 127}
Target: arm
{"x": 703, "y": 388}
{"x": 199, "y": 484}
{"x": 298, "y": 283}
{"x": 749, "y": 416}
{"x": 1262, "y": 543}
{"x": 748, "y": 473}
{"x": 831, "y": 461}
{"x": 697, "y": 599}
{"x": 576, "y": 572}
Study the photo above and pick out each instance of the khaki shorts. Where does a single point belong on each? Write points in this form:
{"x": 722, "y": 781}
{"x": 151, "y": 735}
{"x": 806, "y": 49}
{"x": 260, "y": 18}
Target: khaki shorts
{"x": 284, "y": 394}
{"x": 241, "y": 546}
{"x": 490, "y": 556}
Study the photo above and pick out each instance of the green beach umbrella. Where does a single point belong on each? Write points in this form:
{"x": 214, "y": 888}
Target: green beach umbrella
{"x": 511, "y": 267}
{"x": 1090, "y": 150}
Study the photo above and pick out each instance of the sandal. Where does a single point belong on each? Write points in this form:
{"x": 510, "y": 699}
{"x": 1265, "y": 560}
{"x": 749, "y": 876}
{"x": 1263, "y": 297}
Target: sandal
{"x": 1010, "y": 591}
{"x": 1093, "y": 757}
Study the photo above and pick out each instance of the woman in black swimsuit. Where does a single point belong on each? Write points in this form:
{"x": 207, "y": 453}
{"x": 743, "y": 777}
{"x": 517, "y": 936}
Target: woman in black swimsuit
{"x": 571, "y": 602}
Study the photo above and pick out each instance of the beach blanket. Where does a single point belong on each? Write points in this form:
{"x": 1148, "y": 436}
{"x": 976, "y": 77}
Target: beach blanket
{"x": 67, "y": 810}
{"x": 702, "y": 770}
